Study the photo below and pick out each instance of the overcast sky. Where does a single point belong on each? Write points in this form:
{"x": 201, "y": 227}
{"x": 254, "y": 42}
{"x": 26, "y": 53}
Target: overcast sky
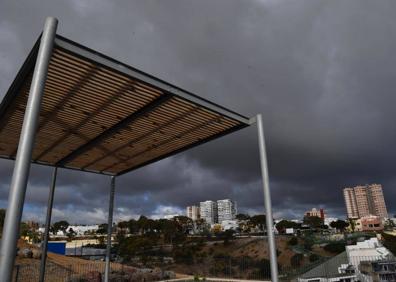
{"x": 322, "y": 73}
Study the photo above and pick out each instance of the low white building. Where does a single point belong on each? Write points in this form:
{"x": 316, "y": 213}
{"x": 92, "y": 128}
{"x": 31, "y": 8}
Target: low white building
{"x": 329, "y": 220}
{"x": 347, "y": 265}
{"x": 368, "y": 250}
{"x": 78, "y": 229}
{"x": 290, "y": 231}
{"x": 229, "y": 225}
{"x": 170, "y": 216}
{"x": 82, "y": 229}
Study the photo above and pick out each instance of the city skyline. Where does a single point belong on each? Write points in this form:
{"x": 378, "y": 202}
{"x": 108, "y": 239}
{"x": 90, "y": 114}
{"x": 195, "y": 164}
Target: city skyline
{"x": 323, "y": 80}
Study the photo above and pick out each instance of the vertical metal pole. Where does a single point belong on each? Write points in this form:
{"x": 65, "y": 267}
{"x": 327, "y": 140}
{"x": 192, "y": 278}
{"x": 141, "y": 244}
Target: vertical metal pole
{"x": 24, "y": 155}
{"x": 47, "y": 226}
{"x": 109, "y": 229}
{"x": 267, "y": 200}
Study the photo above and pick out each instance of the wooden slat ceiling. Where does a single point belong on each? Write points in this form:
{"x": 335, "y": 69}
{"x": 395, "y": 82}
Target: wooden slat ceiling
{"x": 98, "y": 119}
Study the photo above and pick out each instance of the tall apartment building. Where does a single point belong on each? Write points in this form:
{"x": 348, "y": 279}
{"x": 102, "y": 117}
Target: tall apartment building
{"x": 208, "y": 211}
{"x": 365, "y": 200}
{"x": 226, "y": 210}
{"x": 193, "y": 212}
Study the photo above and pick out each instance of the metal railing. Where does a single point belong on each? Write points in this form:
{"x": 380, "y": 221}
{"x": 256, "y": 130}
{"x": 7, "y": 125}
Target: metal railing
{"x": 92, "y": 271}
{"x": 242, "y": 268}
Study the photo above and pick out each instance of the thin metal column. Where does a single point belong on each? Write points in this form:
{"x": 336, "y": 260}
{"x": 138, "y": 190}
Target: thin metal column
{"x": 47, "y": 226}
{"x": 267, "y": 200}
{"x": 24, "y": 155}
{"x": 109, "y": 229}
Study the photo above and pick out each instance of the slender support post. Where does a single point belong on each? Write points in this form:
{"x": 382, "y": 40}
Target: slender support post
{"x": 47, "y": 226}
{"x": 109, "y": 229}
{"x": 267, "y": 200}
{"x": 24, "y": 155}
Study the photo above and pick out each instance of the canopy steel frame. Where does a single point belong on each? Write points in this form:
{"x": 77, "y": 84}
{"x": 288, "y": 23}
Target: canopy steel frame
{"x": 44, "y": 244}
{"x": 103, "y": 61}
{"x": 109, "y": 229}
{"x": 23, "y": 158}
{"x": 267, "y": 198}
{"x": 40, "y": 56}
{"x": 114, "y": 128}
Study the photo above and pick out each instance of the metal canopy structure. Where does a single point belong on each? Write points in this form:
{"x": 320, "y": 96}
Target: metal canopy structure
{"x": 102, "y": 116}
{"x": 72, "y": 107}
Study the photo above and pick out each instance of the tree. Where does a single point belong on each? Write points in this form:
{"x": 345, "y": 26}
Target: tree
{"x": 122, "y": 225}
{"x": 389, "y": 224}
{"x": 30, "y": 233}
{"x": 389, "y": 242}
{"x": 293, "y": 241}
{"x": 296, "y": 260}
{"x": 258, "y": 221}
{"x": 71, "y": 234}
{"x": 336, "y": 247}
{"x": 102, "y": 229}
{"x": 133, "y": 226}
{"x": 143, "y": 223}
{"x": 216, "y": 228}
{"x": 308, "y": 243}
{"x": 101, "y": 240}
{"x": 168, "y": 228}
{"x": 242, "y": 216}
{"x": 60, "y": 226}
{"x": 184, "y": 222}
{"x": 201, "y": 226}
{"x": 243, "y": 226}
{"x": 352, "y": 223}
{"x": 228, "y": 235}
{"x": 339, "y": 225}
{"x": 283, "y": 224}
{"x": 264, "y": 268}
{"x": 23, "y": 229}
{"x": 313, "y": 221}
{"x": 313, "y": 257}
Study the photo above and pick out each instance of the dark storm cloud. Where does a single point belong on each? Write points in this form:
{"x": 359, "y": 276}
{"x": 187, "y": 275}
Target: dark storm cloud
{"x": 321, "y": 72}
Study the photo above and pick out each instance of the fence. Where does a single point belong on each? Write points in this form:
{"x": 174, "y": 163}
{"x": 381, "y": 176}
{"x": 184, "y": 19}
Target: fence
{"x": 153, "y": 269}
{"x": 243, "y": 268}
{"x": 82, "y": 271}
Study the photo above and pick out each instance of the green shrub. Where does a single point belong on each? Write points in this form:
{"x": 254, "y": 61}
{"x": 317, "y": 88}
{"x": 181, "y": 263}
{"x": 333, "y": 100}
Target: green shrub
{"x": 313, "y": 257}
{"x": 293, "y": 241}
{"x": 296, "y": 260}
{"x": 390, "y": 242}
{"x": 336, "y": 247}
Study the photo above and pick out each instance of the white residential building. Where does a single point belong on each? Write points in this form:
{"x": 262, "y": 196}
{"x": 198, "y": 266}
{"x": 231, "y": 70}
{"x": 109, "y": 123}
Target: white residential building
{"x": 193, "y": 212}
{"x": 226, "y": 210}
{"x": 81, "y": 229}
{"x": 208, "y": 211}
